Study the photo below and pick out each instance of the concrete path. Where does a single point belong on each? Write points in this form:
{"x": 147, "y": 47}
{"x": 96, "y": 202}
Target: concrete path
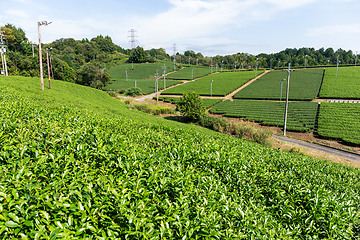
{"x": 337, "y": 152}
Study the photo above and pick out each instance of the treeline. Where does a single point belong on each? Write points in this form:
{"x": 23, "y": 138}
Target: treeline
{"x": 79, "y": 61}
{"x": 296, "y": 57}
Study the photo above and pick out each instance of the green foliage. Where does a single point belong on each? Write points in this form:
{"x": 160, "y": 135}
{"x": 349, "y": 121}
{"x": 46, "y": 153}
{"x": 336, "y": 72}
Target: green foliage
{"x": 191, "y": 106}
{"x": 138, "y": 55}
{"x": 76, "y": 164}
{"x": 62, "y": 71}
{"x": 93, "y": 75}
{"x": 304, "y": 85}
{"x": 340, "y": 121}
{"x": 346, "y": 85}
{"x": 133, "y": 92}
{"x": 301, "y": 115}
{"x": 223, "y": 84}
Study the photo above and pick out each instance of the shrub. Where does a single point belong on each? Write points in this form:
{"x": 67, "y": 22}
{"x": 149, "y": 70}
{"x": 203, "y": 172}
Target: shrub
{"x": 133, "y": 92}
{"x": 191, "y": 106}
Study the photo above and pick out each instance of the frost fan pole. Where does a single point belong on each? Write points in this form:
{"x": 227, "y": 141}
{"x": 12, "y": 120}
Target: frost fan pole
{"x": 287, "y": 99}
{"x": 40, "y": 55}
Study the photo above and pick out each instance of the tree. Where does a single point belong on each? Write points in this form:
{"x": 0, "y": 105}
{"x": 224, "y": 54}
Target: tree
{"x": 191, "y": 106}
{"x": 138, "y": 55}
{"x": 93, "y": 75}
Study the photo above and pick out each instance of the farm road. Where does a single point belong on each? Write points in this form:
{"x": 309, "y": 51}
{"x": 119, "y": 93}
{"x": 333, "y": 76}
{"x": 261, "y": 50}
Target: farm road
{"x": 329, "y": 150}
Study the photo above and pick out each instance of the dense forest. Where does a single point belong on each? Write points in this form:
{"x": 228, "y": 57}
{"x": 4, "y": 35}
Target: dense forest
{"x": 86, "y": 61}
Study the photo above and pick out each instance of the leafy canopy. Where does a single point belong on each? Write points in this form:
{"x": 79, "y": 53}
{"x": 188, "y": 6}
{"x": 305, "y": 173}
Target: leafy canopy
{"x": 191, "y": 106}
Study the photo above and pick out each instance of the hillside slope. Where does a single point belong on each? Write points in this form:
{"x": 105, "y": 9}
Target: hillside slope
{"x": 76, "y": 163}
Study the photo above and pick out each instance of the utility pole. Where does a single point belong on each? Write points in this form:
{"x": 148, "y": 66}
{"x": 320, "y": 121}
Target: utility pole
{"x": 48, "y": 66}
{"x": 192, "y": 74}
{"x": 305, "y": 60}
{"x": 189, "y": 62}
{"x": 40, "y": 54}
{"x": 256, "y": 65}
{"x": 211, "y": 64}
{"x": 235, "y": 65}
{"x": 174, "y": 55}
{"x": 211, "y": 88}
{"x": 355, "y": 58}
{"x": 3, "y": 55}
{"x": 164, "y": 67}
{"x": 270, "y": 63}
{"x": 282, "y": 80}
{"x": 287, "y": 98}
{"x": 157, "y": 86}
{"x": 337, "y": 65}
{"x": 52, "y": 72}
{"x": 126, "y": 74}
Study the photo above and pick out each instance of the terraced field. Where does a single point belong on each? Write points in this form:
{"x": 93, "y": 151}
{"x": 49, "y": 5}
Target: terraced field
{"x": 301, "y": 115}
{"x": 140, "y": 71}
{"x": 77, "y": 164}
{"x": 345, "y": 86}
{"x": 146, "y": 86}
{"x": 340, "y": 121}
{"x": 188, "y": 73}
{"x": 304, "y": 85}
{"x": 223, "y": 84}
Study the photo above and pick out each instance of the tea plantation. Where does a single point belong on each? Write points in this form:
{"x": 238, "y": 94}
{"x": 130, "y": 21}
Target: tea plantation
{"x": 301, "y": 115}
{"x": 223, "y": 84}
{"x": 76, "y": 164}
{"x": 304, "y": 85}
{"x": 340, "y": 121}
{"x": 345, "y": 85}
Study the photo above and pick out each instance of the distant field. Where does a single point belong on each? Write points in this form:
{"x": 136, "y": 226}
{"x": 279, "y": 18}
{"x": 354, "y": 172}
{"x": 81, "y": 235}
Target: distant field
{"x": 301, "y": 115}
{"x": 146, "y": 86}
{"x": 223, "y": 84}
{"x": 208, "y": 103}
{"x": 304, "y": 85}
{"x": 140, "y": 71}
{"x": 188, "y": 74}
{"x": 340, "y": 121}
{"x": 346, "y": 85}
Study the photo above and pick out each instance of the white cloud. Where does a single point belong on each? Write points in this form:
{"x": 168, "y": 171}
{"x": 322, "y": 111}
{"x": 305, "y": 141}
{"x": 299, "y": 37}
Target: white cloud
{"x": 289, "y": 4}
{"x": 18, "y": 13}
{"x": 334, "y": 30}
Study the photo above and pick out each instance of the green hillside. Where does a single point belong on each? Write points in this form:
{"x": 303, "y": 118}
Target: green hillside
{"x": 76, "y": 164}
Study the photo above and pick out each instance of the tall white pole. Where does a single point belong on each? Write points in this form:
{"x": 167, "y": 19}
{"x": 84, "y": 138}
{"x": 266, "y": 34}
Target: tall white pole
{"x": 337, "y": 65}
{"x": 48, "y": 65}
{"x": 287, "y": 99}
{"x": 211, "y": 89}
{"x": 355, "y": 58}
{"x": 164, "y": 67}
{"x": 192, "y": 74}
{"x": 40, "y": 59}
{"x": 305, "y": 60}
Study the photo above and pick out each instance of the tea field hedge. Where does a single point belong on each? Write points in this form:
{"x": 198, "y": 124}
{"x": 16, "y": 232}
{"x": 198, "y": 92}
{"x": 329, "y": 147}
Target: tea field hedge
{"x": 301, "y": 115}
{"x": 146, "y": 86}
{"x": 224, "y": 83}
{"x": 345, "y": 86}
{"x": 188, "y": 73}
{"x": 140, "y": 71}
{"x": 340, "y": 121}
{"x": 208, "y": 103}
{"x": 76, "y": 164}
{"x": 304, "y": 85}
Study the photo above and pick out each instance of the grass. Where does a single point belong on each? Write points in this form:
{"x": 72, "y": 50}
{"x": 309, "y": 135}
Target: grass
{"x": 304, "y": 85}
{"x": 223, "y": 84}
{"x": 77, "y": 164}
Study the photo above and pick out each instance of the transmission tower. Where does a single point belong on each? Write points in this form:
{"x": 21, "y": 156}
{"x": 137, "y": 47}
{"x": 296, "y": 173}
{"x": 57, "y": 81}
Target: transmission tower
{"x": 132, "y": 39}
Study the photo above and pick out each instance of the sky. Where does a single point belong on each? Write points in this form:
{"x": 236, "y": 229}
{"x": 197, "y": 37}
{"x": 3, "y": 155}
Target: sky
{"x": 211, "y": 27}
